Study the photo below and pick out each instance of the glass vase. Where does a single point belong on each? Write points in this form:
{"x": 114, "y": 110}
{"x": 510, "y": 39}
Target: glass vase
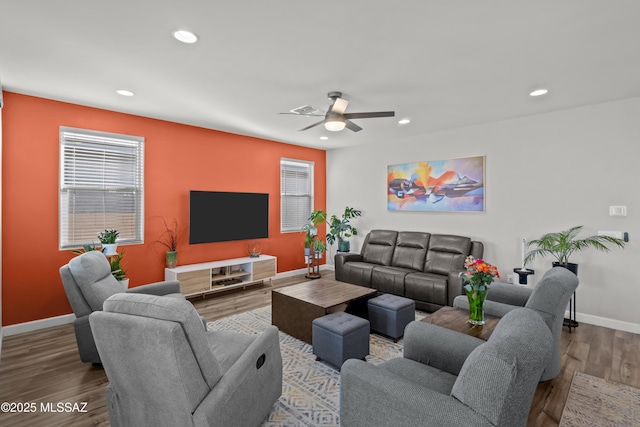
{"x": 476, "y": 306}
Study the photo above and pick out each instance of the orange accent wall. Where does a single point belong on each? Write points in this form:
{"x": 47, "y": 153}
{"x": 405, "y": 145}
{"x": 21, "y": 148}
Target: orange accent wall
{"x": 178, "y": 158}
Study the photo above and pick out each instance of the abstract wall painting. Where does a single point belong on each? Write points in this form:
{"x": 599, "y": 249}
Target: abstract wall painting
{"x": 455, "y": 185}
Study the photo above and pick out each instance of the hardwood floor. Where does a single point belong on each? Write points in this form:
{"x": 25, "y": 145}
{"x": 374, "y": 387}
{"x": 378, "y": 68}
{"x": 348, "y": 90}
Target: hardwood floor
{"x": 43, "y": 366}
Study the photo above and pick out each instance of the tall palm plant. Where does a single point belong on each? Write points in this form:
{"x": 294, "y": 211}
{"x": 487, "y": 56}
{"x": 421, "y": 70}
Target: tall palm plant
{"x": 561, "y": 245}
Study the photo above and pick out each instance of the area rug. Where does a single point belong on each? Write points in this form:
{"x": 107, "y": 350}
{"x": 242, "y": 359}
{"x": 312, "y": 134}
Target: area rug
{"x": 596, "y": 402}
{"x": 311, "y": 389}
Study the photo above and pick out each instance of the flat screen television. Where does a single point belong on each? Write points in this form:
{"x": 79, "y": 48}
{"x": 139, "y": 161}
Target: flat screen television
{"x": 216, "y": 216}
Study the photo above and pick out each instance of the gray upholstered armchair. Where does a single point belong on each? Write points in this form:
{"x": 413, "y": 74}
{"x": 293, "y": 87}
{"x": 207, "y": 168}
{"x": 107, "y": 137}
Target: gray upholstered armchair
{"x": 549, "y": 298}
{"x": 164, "y": 369}
{"x": 88, "y": 282}
{"x": 447, "y": 378}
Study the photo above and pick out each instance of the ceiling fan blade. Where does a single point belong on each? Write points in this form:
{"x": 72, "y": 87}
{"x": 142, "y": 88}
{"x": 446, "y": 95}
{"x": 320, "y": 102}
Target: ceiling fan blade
{"x": 369, "y": 115}
{"x": 339, "y": 105}
{"x": 304, "y": 114}
{"x": 352, "y": 126}
{"x": 311, "y": 126}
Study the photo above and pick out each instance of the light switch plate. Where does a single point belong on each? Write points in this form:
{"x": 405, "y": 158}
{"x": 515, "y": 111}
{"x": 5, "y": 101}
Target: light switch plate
{"x": 617, "y": 211}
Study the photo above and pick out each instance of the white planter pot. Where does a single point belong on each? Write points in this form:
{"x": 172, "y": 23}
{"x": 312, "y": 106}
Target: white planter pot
{"x": 125, "y": 283}
{"x": 109, "y": 249}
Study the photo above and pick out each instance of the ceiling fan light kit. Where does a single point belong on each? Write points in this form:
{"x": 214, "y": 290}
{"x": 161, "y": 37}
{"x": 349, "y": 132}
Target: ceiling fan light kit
{"x": 334, "y": 123}
{"x": 336, "y": 119}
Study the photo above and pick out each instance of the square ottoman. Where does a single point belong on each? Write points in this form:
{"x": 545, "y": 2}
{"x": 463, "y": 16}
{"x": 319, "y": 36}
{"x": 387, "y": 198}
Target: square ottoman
{"x": 339, "y": 336}
{"x": 390, "y": 314}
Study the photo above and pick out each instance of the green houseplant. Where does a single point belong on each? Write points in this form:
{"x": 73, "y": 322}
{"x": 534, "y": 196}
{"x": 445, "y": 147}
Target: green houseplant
{"x": 116, "y": 266}
{"x": 316, "y": 218}
{"x": 561, "y": 245}
{"x": 108, "y": 240}
{"x": 169, "y": 239}
{"x": 116, "y": 269}
{"x": 319, "y": 246}
{"x": 341, "y": 230}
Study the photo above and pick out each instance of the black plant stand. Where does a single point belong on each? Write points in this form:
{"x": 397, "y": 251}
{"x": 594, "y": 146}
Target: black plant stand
{"x": 571, "y": 322}
{"x": 522, "y": 274}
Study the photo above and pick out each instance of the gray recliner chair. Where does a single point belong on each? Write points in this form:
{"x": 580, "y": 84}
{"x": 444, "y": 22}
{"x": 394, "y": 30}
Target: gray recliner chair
{"x": 447, "y": 378}
{"x": 164, "y": 369}
{"x": 549, "y": 298}
{"x": 88, "y": 282}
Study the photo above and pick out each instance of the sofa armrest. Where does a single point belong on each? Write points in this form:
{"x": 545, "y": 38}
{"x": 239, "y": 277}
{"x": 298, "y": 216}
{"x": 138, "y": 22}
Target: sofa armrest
{"x": 439, "y": 347}
{"x": 342, "y": 257}
{"x": 507, "y": 293}
{"x": 339, "y": 260}
{"x": 477, "y": 249}
{"x": 158, "y": 288}
{"x": 370, "y": 396}
{"x": 84, "y": 338}
{"x": 250, "y": 379}
{"x": 454, "y": 285}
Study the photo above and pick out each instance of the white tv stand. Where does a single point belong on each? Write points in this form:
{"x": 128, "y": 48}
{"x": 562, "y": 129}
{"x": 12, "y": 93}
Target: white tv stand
{"x": 221, "y": 275}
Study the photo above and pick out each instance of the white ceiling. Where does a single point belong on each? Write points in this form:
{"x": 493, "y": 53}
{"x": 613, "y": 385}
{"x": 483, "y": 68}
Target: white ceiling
{"x": 442, "y": 63}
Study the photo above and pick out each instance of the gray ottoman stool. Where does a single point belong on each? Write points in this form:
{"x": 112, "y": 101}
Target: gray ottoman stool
{"x": 339, "y": 336}
{"x": 390, "y": 314}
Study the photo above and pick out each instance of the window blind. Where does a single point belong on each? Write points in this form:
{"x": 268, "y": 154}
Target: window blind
{"x": 296, "y": 194}
{"x": 101, "y": 186}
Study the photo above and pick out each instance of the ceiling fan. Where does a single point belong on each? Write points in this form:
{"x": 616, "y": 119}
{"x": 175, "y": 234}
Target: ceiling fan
{"x": 336, "y": 119}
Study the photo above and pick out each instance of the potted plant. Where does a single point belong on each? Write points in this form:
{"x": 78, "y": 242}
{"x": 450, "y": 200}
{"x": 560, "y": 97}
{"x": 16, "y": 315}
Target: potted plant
{"x": 169, "y": 239}
{"x": 561, "y": 245}
{"x": 316, "y": 218}
{"x": 108, "y": 240}
{"x": 117, "y": 271}
{"x": 340, "y": 229}
{"x": 319, "y": 246}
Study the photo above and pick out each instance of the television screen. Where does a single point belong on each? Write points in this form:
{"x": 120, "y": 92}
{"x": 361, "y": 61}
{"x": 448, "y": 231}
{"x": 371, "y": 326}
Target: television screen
{"x": 216, "y": 216}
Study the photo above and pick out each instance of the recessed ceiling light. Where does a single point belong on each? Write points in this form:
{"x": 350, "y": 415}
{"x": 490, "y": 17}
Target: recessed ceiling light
{"x": 324, "y": 137}
{"x": 404, "y": 121}
{"x": 185, "y": 36}
{"x": 539, "y": 92}
{"x": 124, "y": 92}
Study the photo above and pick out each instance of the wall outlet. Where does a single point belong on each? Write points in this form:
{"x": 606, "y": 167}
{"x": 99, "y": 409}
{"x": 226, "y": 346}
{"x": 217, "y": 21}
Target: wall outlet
{"x": 509, "y": 278}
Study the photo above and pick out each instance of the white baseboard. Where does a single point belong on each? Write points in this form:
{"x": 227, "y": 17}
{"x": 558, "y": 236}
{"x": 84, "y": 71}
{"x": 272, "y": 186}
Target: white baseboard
{"x": 606, "y": 322}
{"x": 35, "y": 325}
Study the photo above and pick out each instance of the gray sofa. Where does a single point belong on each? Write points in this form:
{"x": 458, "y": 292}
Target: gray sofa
{"x": 450, "y": 379}
{"x": 422, "y": 266}
{"x": 549, "y": 298}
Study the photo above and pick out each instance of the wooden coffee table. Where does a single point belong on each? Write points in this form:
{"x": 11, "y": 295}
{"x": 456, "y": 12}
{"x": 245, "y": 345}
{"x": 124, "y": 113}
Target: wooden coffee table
{"x": 293, "y": 308}
{"x": 456, "y": 319}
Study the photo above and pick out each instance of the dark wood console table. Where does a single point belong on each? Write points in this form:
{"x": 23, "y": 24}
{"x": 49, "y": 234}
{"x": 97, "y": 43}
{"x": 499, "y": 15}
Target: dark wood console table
{"x": 456, "y": 319}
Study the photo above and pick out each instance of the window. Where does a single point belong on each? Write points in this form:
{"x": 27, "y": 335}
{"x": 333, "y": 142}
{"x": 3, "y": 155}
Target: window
{"x": 101, "y": 186}
{"x": 296, "y": 194}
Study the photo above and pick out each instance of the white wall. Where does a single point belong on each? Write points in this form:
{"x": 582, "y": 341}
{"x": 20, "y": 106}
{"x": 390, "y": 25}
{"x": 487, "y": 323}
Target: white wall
{"x": 543, "y": 173}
